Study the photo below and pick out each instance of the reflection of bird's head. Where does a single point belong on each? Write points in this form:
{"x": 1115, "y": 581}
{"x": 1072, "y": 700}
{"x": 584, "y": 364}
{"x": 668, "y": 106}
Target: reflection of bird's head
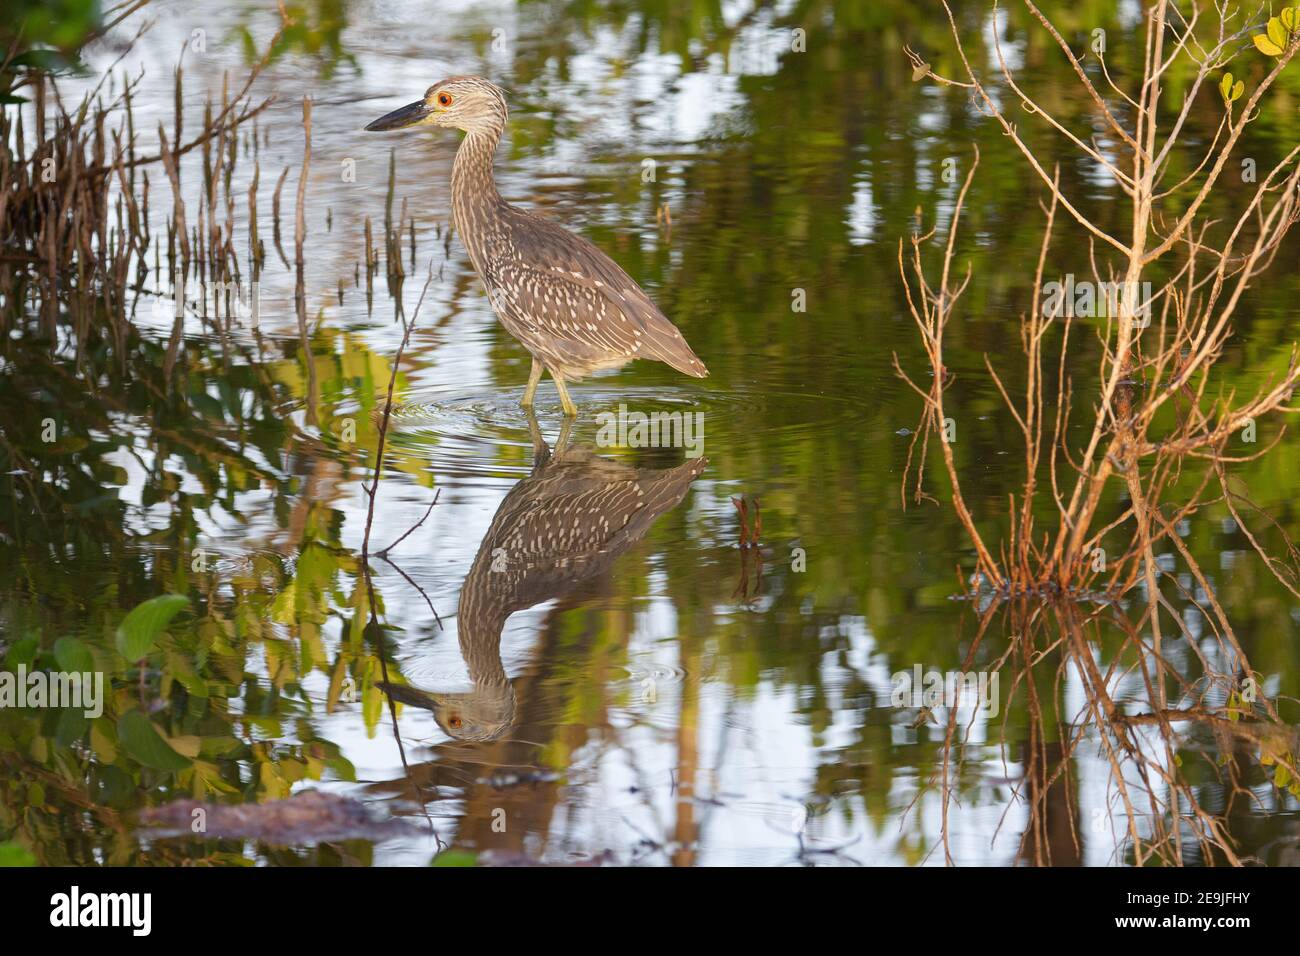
{"x": 566, "y": 523}
{"x": 485, "y": 713}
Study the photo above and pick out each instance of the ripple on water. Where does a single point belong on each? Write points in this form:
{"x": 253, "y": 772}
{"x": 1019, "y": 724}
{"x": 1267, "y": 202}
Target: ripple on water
{"x": 474, "y": 430}
{"x": 638, "y": 673}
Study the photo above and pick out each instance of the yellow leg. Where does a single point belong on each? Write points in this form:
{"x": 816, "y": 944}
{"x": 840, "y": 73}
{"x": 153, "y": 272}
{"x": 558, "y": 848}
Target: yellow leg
{"x": 562, "y": 443}
{"x": 570, "y": 409}
{"x": 534, "y": 377}
{"x": 541, "y": 451}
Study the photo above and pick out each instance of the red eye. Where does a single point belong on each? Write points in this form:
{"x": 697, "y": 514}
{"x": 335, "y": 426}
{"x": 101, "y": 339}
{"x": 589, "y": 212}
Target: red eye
{"x": 455, "y": 721}
{"x": 444, "y": 99}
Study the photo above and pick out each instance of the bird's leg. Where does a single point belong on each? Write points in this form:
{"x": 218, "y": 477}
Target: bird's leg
{"x": 570, "y": 409}
{"x": 534, "y": 377}
{"x": 562, "y": 443}
{"x": 540, "y": 449}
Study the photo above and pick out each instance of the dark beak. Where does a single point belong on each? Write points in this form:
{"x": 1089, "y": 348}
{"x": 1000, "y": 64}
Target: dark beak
{"x": 407, "y": 115}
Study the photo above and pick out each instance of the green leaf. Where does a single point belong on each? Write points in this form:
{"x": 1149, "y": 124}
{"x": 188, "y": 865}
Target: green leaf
{"x": 455, "y": 858}
{"x": 1238, "y": 89}
{"x": 139, "y": 738}
{"x": 22, "y": 651}
{"x": 72, "y": 727}
{"x": 1277, "y": 33}
{"x": 72, "y": 655}
{"x": 11, "y": 854}
{"x": 136, "y": 634}
{"x": 1225, "y": 87}
{"x": 1287, "y": 16}
{"x": 1267, "y": 46}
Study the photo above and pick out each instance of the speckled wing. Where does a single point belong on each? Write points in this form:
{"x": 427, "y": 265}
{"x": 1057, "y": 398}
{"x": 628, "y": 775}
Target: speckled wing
{"x": 565, "y": 525}
{"x": 573, "y": 306}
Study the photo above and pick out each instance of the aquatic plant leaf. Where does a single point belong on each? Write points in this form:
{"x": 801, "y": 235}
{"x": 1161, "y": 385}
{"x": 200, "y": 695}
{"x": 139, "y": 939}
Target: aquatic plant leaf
{"x": 139, "y": 738}
{"x": 137, "y": 633}
{"x": 22, "y": 651}
{"x": 72, "y": 655}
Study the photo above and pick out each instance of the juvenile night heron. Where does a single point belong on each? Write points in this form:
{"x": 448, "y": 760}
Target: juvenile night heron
{"x": 563, "y": 525}
{"x": 570, "y": 305}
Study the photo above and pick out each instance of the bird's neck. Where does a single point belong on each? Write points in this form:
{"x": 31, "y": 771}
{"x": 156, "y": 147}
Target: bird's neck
{"x": 481, "y": 615}
{"x": 472, "y": 184}
{"x": 482, "y": 653}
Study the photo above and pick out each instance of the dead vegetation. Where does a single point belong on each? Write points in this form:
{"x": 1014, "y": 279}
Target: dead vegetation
{"x": 1159, "y": 418}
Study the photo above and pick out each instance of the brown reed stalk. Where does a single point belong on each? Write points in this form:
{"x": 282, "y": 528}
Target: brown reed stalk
{"x": 1177, "y": 425}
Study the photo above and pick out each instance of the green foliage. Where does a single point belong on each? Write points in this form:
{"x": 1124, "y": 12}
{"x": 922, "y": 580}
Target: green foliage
{"x": 1231, "y": 92}
{"x": 1281, "y": 31}
{"x": 44, "y": 36}
{"x": 137, "y": 634}
{"x": 72, "y": 655}
{"x": 138, "y": 736}
{"x": 313, "y": 28}
{"x": 455, "y": 858}
{"x": 12, "y": 854}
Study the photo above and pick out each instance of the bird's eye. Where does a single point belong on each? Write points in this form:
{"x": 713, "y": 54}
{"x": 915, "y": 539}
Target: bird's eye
{"x": 444, "y": 99}
{"x": 455, "y": 723}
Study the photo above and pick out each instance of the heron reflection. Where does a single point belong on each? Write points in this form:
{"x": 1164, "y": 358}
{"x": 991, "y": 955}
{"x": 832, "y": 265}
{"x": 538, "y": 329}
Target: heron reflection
{"x": 566, "y": 523}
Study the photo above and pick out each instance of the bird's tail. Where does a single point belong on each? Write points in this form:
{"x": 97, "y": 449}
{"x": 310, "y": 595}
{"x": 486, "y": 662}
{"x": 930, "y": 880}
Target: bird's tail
{"x": 663, "y": 342}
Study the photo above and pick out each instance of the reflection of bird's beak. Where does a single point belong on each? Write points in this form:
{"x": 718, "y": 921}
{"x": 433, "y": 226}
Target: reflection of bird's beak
{"x": 407, "y": 115}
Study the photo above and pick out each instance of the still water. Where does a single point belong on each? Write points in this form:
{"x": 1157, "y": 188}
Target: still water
{"x": 671, "y": 695}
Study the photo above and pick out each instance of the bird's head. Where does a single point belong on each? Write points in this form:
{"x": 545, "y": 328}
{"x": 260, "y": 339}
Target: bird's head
{"x": 484, "y": 714}
{"x": 468, "y": 103}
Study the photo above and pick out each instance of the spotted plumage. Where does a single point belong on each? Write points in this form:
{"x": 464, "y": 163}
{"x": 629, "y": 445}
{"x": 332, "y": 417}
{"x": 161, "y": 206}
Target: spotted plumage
{"x": 570, "y": 305}
{"x": 563, "y": 525}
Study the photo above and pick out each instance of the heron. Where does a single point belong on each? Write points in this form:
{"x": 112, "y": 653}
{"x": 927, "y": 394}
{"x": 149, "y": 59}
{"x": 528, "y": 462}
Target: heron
{"x": 567, "y": 523}
{"x": 571, "y": 306}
